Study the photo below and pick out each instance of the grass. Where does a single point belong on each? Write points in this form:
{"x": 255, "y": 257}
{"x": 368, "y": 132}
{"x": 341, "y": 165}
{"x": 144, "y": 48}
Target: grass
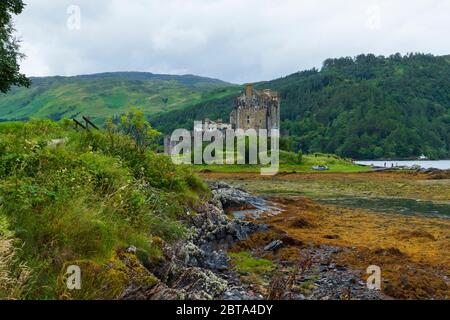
{"x": 290, "y": 163}
{"x": 13, "y": 276}
{"x": 245, "y": 263}
{"x": 84, "y": 202}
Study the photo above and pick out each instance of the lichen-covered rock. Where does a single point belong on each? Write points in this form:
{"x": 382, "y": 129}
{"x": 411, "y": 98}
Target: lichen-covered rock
{"x": 192, "y": 268}
{"x": 162, "y": 292}
{"x": 190, "y": 254}
{"x": 229, "y": 196}
{"x": 217, "y": 260}
{"x": 238, "y": 294}
{"x": 201, "y": 281}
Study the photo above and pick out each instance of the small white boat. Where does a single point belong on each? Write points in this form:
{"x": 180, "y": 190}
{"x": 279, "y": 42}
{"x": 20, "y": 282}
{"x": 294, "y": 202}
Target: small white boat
{"x": 320, "y": 168}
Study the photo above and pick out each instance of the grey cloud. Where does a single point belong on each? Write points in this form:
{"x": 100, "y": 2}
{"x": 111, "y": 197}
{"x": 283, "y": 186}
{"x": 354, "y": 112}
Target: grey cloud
{"x": 234, "y": 40}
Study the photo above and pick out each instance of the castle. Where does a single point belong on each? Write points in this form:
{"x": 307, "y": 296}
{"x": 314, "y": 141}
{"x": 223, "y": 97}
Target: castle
{"x": 253, "y": 109}
{"x": 256, "y": 110}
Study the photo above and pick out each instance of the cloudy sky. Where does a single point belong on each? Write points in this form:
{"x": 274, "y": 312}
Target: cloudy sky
{"x": 234, "y": 40}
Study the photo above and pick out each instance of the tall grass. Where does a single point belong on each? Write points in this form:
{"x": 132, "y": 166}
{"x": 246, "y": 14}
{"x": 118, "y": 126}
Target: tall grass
{"x": 14, "y": 275}
{"x": 84, "y": 199}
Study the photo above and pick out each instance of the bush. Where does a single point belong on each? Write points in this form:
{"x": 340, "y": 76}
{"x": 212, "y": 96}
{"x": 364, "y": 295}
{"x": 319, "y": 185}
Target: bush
{"x": 290, "y": 157}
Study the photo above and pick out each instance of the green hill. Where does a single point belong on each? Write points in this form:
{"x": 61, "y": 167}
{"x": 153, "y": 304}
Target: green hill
{"x": 102, "y": 95}
{"x": 364, "y": 107}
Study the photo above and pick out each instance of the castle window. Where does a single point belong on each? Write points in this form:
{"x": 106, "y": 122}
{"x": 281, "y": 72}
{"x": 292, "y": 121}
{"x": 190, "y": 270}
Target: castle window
{"x": 248, "y": 119}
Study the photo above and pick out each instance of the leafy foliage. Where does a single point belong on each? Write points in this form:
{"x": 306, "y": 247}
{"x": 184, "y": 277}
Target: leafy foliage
{"x": 9, "y": 47}
{"x": 135, "y": 125}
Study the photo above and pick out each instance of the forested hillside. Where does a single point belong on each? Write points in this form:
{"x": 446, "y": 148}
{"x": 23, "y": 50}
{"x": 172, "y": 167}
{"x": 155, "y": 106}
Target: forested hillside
{"x": 363, "y": 107}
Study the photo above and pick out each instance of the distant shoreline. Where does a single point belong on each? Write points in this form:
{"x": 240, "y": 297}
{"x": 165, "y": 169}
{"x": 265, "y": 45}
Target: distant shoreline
{"x": 424, "y": 164}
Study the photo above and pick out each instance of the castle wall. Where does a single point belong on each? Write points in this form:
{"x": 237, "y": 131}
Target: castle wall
{"x": 251, "y": 118}
{"x": 256, "y": 110}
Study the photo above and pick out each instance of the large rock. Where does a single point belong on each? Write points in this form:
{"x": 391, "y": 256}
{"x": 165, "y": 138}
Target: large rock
{"x": 201, "y": 282}
{"x": 163, "y": 292}
{"x": 215, "y": 231}
{"x": 229, "y": 196}
{"x": 274, "y": 245}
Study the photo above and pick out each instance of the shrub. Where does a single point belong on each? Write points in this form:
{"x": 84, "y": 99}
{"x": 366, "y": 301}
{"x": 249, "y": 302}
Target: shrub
{"x": 136, "y": 126}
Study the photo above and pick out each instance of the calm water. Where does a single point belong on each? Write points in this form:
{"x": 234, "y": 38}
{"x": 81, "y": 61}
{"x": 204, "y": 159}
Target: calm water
{"x": 426, "y": 164}
{"x": 387, "y": 205}
{"x": 392, "y": 205}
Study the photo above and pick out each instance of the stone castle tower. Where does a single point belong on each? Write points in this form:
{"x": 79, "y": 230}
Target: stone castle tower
{"x": 256, "y": 110}
{"x": 253, "y": 109}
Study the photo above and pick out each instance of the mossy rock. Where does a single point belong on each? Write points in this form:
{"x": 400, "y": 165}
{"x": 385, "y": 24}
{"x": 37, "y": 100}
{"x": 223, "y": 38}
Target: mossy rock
{"x": 107, "y": 281}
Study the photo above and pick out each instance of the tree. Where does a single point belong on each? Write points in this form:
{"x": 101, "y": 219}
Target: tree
{"x": 136, "y": 126}
{"x": 9, "y": 47}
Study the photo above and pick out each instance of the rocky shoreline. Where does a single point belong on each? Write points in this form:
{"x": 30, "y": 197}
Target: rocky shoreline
{"x": 416, "y": 169}
{"x": 199, "y": 268}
